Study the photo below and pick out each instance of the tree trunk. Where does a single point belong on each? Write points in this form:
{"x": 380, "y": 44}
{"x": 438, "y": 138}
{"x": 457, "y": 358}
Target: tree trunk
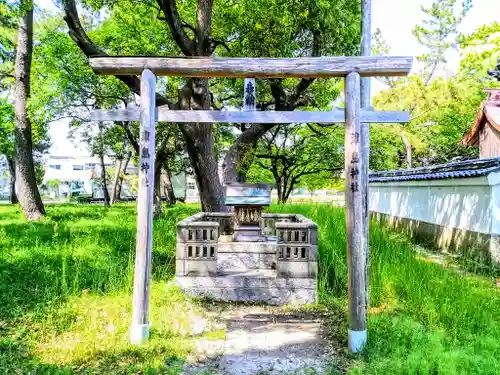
{"x": 199, "y": 144}
{"x": 26, "y": 188}
{"x": 200, "y": 150}
{"x": 239, "y": 157}
{"x": 116, "y": 198}
{"x": 104, "y": 181}
{"x": 124, "y": 172}
{"x": 168, "y": 188}
{"x": 12, "y": 180}
{"x": 288, "y": 192}
{"x": 408, "y": 151}
{"x": 279, "y": 189}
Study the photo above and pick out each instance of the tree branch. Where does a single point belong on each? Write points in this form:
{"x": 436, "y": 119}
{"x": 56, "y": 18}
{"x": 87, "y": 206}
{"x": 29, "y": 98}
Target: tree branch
{"x": 317, "y": 132}
{"x": 204, "y": 28}
{"x": 215, "y": 43}
{"x": 279, "y": 94}
{"x": 297, "y": 98}
{"x": 265, "y": 156}
{"x": 190, "y": 27}
{"x": 169, "y": 8}
{"x": 78, "y": 34}
{"x": 131, "y": 138}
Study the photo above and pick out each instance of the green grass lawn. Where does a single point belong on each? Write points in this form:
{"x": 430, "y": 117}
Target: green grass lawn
{"x": 65, "y": 296}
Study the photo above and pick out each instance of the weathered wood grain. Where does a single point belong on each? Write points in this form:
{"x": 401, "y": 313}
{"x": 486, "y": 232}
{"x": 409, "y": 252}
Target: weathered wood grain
{"x": 366, "y": 50}
{"x": 139, "y": 330}
{"x": 355, "y": 190}
{"x": 311, "y": 67}
{"x": 283, "y": 117}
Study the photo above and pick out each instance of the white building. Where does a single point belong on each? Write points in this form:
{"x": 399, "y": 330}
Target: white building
{"x": 78, "y": 173}
{"x": 454, "y": 206}
{"x": 4, "y": 178}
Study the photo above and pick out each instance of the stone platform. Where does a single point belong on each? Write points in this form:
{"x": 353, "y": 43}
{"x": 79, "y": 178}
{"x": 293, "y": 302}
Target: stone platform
{"x": 279, "y": 269}
{"x": 251, "y": 286}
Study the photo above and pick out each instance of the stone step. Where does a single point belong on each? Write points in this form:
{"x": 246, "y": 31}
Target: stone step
{"x": 251, "y": 286}
{"x": 245, "y": 261}
{"x": 247, "y": 247}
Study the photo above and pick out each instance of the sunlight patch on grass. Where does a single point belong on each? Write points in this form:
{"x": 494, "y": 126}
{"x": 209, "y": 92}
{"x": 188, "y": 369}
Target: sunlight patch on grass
{"x": 98, "y": 328}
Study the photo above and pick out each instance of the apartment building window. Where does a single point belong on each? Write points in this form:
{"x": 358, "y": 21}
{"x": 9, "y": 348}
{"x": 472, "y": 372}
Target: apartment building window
{"x": 78, "y": 167}
{"x": 58, "y": 167}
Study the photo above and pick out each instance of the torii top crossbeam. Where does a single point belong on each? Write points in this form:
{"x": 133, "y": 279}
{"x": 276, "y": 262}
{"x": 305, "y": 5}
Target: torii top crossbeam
{"x": 303, "y": 67}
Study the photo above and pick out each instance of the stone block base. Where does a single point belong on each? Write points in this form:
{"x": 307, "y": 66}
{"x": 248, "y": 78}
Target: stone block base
{"x": 246, "y": 256}
{"x": 297, "y": 269}
{"x": 251, "y": 286}
{"x": 205, "y": 267}
{"x": 249, "y": 261}
{"x": 248, "y": 233}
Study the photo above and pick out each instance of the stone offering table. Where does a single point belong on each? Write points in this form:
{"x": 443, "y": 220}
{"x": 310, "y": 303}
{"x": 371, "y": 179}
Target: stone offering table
{"x": 278, "y": 267}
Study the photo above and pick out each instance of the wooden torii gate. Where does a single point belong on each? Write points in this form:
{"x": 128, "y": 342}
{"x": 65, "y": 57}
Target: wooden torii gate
{"x": 356, "y": 172}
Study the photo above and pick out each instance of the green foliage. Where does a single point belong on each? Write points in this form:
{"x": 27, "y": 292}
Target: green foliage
{"x": 7, "y": 143}
{"x": 442, "y": 112}
{"x": 9, "y": 13}
{"x": 66, "y": 286}
{"x": 8, "y": 26}
{"x": 288, "y": 154}
{"x": 282, "y": 28}
{"x": 54, "y": 183}
{"x": 481, "y": 50}
{"x": 438, "y": 32}
{"x": 63, "y": 82}
{"x": 425, "y": 318}
{"x": 442, "y": 108}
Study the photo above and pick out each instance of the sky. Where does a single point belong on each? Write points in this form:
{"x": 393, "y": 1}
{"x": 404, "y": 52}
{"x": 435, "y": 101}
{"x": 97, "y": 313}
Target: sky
{"x": 395, "y": 18}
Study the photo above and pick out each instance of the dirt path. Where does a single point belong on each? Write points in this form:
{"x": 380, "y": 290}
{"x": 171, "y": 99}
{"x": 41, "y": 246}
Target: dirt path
{"x": 263, "y": 340}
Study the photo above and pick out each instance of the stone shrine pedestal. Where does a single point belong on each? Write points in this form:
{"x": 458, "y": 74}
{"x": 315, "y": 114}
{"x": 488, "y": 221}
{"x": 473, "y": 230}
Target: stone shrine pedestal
{"x": 247, "y": 255}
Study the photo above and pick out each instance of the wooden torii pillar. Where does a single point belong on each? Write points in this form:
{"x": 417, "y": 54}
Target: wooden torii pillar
{"x": 356, "y": 172}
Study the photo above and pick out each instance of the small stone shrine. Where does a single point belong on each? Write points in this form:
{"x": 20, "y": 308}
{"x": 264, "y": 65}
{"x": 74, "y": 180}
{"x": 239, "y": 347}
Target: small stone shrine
{"x": 248, "y": 201}
{"x": 248, "y": 255}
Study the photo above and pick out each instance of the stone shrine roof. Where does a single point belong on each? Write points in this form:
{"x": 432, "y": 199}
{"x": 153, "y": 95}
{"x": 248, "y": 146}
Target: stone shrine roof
{"x": 462, "y": 169}
{"x": 488, "y": 113}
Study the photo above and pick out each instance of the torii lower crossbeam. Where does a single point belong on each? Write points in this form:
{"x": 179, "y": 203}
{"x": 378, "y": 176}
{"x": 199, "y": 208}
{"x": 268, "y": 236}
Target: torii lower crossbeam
{"x": 276, "y": 117}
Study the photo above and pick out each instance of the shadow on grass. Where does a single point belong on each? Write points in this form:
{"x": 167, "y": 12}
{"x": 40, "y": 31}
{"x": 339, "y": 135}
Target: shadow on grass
{"x": 49, "y": 260}
{"x": 17, "y": 358}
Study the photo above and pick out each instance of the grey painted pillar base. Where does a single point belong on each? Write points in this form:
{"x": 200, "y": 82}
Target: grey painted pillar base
{"x": 139, "y": 333}
{"x": 356, "y": 340}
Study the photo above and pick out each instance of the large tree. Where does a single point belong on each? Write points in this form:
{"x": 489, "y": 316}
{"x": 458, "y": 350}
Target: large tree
{"x": 290, "y": 153}
{"x": 237, "y": 28}
{"x": 66, "y": 87}
{"x": 26, "y": 185}
{"x": 438, "y": 33}
{"x": 483, "y": 50}
{"x": 441, "y": 107}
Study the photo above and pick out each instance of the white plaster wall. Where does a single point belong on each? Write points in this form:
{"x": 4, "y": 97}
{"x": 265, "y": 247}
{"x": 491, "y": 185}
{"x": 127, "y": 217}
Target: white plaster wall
{"x": 464, "y": 203}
